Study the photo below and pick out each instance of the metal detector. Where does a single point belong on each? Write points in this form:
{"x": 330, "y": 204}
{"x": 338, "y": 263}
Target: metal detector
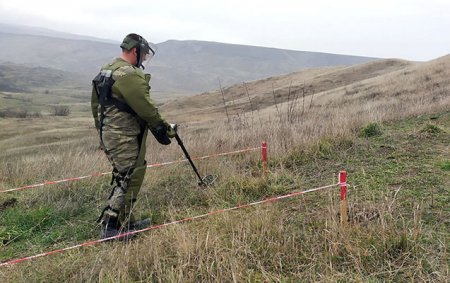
{"x": 205, "y": 181}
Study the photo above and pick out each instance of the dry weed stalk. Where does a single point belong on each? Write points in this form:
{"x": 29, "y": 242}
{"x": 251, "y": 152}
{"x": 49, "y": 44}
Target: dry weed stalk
{"x": 224, "y": 102}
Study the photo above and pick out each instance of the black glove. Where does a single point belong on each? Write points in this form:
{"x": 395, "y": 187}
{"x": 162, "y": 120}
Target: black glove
{"x": 160, "y": 134}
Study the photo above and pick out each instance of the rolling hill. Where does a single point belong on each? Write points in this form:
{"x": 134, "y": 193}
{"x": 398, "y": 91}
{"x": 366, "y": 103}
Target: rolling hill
{"x": 23, "y": 78}
{"x": 180, "y": 66}
{"x": 268, "y": 92}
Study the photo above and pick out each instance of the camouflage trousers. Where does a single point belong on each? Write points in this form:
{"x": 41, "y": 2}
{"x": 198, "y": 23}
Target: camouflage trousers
{"x": 127, "y": 156}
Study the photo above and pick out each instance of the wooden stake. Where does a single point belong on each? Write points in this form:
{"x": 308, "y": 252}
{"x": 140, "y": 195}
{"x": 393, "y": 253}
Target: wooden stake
{"x": 343, "y": 184}
{"x": 264, "y": 158}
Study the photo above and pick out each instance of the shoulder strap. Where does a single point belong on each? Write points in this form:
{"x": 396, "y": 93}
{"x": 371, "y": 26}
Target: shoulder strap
{"x": 104, "y": 82}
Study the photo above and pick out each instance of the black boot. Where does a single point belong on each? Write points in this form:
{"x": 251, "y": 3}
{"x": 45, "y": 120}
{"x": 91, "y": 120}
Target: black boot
{"x": 110, "y": 227}
{"x": 140, "y": 224}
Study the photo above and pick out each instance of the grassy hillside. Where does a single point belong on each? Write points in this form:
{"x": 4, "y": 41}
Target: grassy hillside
{"x": 33, "y": 91}
{"x": 256, "y": 95}
{"x": 398, "y": 216}
{"x": 387, "y": 124}
{"x": 23, "y": 78}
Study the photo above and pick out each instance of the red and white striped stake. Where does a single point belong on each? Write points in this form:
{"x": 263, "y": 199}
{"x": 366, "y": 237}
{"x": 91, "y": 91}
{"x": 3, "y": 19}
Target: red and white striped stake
{"x": 264, "y": 158}
{"x": 343, "y": 184}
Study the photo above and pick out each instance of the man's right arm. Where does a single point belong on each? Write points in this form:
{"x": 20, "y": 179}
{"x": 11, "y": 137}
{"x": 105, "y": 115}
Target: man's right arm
{"x": 135, "y": 91}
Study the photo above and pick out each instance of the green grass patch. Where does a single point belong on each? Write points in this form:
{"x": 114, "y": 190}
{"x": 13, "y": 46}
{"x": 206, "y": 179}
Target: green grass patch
{"x": 370, "y": 130}
{"x": 445, "y": 165}
{"x": 32, "y": 224}
{"x": 431, "y": 129}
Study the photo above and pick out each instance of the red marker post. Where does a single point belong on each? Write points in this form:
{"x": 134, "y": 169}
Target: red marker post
{"x": 264, "y": 158}
{"x": 343, "y": 184}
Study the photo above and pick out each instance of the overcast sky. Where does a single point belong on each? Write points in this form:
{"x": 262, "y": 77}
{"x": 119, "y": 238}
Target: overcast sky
{"x": 408, "y": 29}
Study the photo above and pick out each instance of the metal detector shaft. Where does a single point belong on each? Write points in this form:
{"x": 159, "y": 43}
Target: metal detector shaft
{"x": 180, "y": 143}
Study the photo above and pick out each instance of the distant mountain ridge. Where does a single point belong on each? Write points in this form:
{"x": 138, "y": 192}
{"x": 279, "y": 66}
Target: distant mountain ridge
{"x": 179, "y": 66}
{"x": 27, "y": 30}
{"x": 209, "y": 62}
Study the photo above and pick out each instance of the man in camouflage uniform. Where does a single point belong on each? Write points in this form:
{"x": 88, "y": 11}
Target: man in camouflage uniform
{"x": 123, "y": 113}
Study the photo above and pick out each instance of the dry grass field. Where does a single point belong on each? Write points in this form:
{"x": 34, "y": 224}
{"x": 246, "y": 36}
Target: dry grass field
{"x": 387, "y": 123}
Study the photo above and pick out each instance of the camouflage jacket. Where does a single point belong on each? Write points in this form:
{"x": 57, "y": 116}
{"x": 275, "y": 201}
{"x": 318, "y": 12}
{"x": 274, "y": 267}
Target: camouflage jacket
{"x": 132, "y": 87}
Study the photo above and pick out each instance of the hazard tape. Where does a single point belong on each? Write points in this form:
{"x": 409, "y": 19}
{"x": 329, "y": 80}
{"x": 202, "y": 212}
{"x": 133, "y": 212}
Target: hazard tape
{"x": 107, "y": 173}
{"x": 154, "y": 227}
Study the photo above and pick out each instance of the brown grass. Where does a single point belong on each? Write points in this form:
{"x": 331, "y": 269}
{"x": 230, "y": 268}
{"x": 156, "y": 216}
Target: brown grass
{"x": 297, "y": 240}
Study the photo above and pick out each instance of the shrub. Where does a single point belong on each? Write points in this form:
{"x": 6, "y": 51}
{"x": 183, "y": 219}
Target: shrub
{"x": 431, "y": 130}
{"x": 61, "y": 110}
{"x": 370, "y": 130}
